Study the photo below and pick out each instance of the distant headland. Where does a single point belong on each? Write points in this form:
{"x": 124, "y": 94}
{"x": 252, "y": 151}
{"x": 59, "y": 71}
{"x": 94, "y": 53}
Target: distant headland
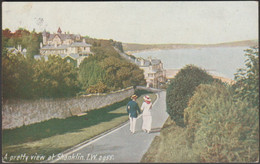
{"x": 134, "y": 48}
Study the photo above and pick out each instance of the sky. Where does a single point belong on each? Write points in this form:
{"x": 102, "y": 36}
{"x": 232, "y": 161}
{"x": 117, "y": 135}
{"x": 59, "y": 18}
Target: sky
{"x": 140, "y": 22}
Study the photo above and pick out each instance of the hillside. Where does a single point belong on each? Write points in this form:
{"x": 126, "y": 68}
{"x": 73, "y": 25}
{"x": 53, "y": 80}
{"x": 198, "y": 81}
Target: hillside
{"x": 132, "y": 47}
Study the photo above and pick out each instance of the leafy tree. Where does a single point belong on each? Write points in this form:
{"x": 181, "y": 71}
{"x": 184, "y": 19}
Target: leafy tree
{"x": 29, "y": 40}
{"x": 121, "y": 73}
{"x": 108, "y": 67}
{"x": 55, "y": 78}
{"x": 182, "y": 88}
{"x": 247, "y": 79}
{"x": 25, "y": 78}
{"x": 7, "y": 33}
{"x": 17, "y": 74}
{"x": 90, "y": 72}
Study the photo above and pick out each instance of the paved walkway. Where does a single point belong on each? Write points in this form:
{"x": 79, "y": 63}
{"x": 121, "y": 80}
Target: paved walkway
{"x": 120, "y": 145}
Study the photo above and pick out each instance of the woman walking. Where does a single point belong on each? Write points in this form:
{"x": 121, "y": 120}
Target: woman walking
{"x": 147, "y": 116}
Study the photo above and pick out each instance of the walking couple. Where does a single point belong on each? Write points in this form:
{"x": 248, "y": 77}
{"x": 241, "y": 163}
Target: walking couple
{"x": 132, "y": 109}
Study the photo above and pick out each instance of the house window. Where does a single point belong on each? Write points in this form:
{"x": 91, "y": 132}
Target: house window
{"x": 68, "y": 61}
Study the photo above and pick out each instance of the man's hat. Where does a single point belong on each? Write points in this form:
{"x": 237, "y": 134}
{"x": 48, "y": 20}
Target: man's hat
{"x": 147, "y": 98}
{"x": 133, "y": 97}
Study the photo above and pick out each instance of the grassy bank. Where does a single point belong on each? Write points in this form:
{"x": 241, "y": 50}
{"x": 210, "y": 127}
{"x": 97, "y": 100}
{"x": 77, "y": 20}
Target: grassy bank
{"x": 170, "y": 146}
{"x": 56, "y": 135}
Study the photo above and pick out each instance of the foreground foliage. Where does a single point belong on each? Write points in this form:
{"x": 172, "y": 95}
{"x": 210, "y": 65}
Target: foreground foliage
{"x": 222, "y": 121}
{"x": 247, "y": 79}
{"x": 182, "y": 88}
{"x": 219, "y": 129}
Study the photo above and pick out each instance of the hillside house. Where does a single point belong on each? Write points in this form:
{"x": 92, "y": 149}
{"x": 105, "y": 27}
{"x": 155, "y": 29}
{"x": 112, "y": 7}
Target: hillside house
{"x": 17, "y": 50}
{"x": 70, "y": 46}
{"x": 154, "y": 73}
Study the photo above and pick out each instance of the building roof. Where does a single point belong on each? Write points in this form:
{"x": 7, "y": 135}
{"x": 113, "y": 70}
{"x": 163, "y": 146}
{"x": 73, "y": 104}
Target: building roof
{"x": 80, "y": 44}
{"x": 12, "y": 50}
{"x": 63, "y": 55}
{"x": 51, "y": 47}
{"x": 47, "y": 47}
{"x": 75, "y": 56}
{"x": 155, "y": 61}
{"x": 145, "y": 64}
{"x": 148, "y": 63}
{"x": 9, "y": 48}
{"x": 63, "y": 37}
{"x": 153, "y": 71}
{"x": 63, "y": 46}
{"x": 59, "y": 30}
{"x": 40, "y": 56}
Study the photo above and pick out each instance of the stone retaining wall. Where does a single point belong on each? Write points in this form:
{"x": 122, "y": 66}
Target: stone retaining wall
{"x": 26, "y": 112}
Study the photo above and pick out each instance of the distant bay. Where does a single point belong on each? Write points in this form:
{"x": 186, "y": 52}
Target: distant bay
{"x": 220, "y": 61}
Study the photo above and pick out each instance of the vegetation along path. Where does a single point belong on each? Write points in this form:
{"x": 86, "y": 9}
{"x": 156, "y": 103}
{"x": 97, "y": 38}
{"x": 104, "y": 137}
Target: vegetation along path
{"x": 120, "y": 145}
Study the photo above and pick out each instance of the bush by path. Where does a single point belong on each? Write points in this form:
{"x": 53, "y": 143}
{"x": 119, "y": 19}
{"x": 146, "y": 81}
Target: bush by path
{"x": 182, "y": 88}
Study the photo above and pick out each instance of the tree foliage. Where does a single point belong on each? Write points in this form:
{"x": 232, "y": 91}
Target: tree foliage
{"x": 55, "y": 78}
{"x": 247, "y": 79}
{"x": 16, "y": 76}
{"x": 90, "y": 73}
{"x": 99, "y": 87}
{"x": 29, "y": 40}
{"x": 220, "y": 129}
{"x": 26, "y": 78}
{"x": 108, "y": 68}
{"x": 182, "y": 88}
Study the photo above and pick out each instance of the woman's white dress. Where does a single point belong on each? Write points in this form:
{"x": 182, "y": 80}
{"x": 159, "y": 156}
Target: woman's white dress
{"x": 147, "y": 116}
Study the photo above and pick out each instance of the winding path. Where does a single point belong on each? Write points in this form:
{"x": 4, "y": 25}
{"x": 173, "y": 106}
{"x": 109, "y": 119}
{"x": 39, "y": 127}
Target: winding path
{"x": 119, "y": 145}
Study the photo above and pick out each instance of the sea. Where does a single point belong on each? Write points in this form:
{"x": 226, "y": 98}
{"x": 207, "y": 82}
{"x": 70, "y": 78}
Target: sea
{"x": 219, "y": 61}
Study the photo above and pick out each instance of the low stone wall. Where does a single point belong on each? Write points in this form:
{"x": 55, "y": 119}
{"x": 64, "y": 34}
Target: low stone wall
{"x": 26, "y": 112}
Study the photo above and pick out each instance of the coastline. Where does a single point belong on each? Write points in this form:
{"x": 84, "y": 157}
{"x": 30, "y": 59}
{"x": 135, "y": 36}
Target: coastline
{"x": 137, "y": 48}
{"x": 131, "y": 52}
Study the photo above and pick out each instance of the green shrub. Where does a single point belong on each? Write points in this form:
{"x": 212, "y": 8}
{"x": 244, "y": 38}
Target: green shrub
{"x": 220, "y": 129}
{"x": 247, "y": 79}
{"x": 97, "y": 88}
{"x": 181, "y": 90}
{"x": 25, "y": 78}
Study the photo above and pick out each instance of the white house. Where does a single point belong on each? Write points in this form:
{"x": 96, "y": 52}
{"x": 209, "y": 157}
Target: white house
{"x": 154, "y": 73}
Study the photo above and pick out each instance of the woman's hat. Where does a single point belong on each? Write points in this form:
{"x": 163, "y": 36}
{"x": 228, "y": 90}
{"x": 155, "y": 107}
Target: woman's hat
{"x": 133, "y": 97}
{"x": 147, "y": 98}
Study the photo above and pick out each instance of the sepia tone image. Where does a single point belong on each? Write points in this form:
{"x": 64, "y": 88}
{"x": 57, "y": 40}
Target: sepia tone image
{"x": 128, "y": 81}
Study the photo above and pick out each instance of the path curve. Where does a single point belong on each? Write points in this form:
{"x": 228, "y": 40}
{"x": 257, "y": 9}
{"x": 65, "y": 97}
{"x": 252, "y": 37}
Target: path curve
{"x": 120, "y": 145}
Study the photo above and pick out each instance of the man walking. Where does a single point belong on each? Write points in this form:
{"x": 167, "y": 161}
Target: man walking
{"x": 132, "y": 108}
